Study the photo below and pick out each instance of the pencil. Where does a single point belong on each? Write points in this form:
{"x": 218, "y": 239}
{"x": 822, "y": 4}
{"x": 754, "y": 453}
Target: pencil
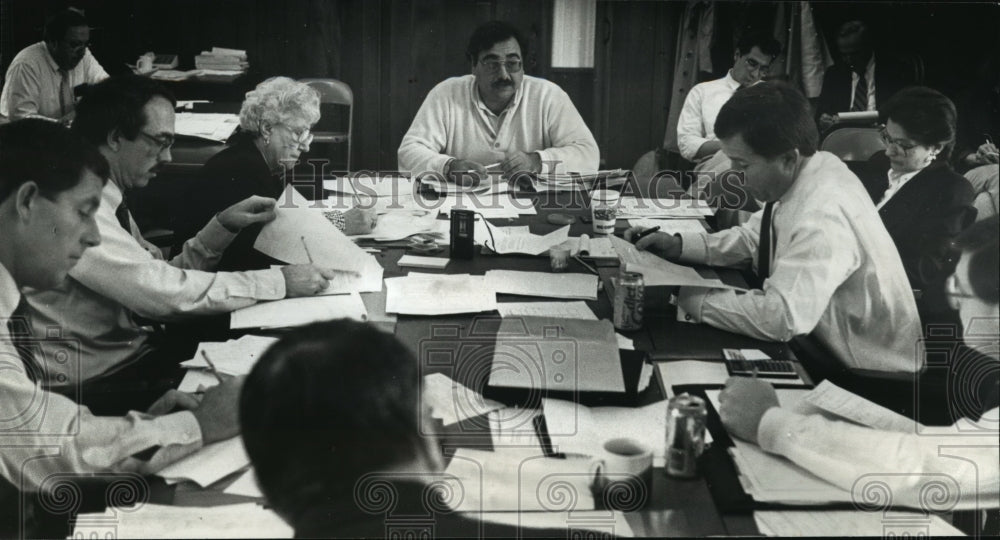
{"x": 753, "y": 366}
{"x": 587, "y": 266}
{"x": 211, "y": 366}
{"x": 303, "y": 238}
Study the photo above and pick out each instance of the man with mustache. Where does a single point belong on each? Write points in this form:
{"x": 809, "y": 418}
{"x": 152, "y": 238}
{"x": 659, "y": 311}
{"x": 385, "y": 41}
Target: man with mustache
{"x": 125, "y": 364}
{"x": 497, "y": 115}
{"x": 42, "y": 78}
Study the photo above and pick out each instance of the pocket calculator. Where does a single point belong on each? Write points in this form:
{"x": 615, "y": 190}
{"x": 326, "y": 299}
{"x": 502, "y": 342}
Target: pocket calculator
{"x": 739, "y": 365}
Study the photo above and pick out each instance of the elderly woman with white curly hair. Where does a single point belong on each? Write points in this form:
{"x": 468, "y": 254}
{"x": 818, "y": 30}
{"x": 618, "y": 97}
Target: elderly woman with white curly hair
{"x": 275, "y": 122}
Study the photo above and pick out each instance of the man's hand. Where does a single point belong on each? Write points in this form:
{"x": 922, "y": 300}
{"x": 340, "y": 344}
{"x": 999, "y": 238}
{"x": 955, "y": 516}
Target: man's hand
{"x": 251, "y": 210}
{"x": 306, "y": 279}
{"x": 667, "y": 245}
{"x": 519, "y": 162}
{"x": 986, "y": 154}
{"x": 743, "y": 403}
{"x": 218, "y": 412}
{"x": 826, "y": 121}
{"x": 173, "y": 399}
{"x": 359, "y": 220}
{"x": 465, "y": 173}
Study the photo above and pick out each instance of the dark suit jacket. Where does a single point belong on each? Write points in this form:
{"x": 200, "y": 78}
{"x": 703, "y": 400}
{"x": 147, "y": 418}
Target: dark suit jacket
{"x": 891, "y": 76}
{"x": 923, "y": 218}
{"x": 227, "y": 178}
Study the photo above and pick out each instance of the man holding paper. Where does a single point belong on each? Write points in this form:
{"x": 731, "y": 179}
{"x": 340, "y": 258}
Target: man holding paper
{"x": 497, "y": 116}
{"x": 826, "y": 265}
{"x": 131, "y": 121}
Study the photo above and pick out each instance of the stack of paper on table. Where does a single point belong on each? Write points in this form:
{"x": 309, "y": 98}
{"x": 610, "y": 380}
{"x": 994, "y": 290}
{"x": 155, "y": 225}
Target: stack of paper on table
{"x": 526, "y": 242}
{"x": 452, "y": 402}
{"x": 300, "y": 234}
{"x": 505, "y": 481}
{"x": 844, "y": 523}
{"x": 212, "y": 126}
{"x": 248, "y": 520}
{"x": 209, "y": 464}
{"x": 438, "y": 294}
{"x": 632, "y": 207}
{"x": 658, "y": 271}
{"x": 575, "y": 181}
{"x": 570, "y": 355}
{"x": 369, "y": 186}
{"x": 670, "y": 226}
{"x": 544, "y": 284}
{"x": 595, "y": 248}
{"x": 403, "y": 223}
{"x": 300, "y": 311}
{"x": 233, "y": 357}
{"x": 580, "y": 429}
{"x": 703, "y": 373}
{"x": 493, "y": 183}
{"x": 558, "y": 310}
{"x": 417, "y": 261}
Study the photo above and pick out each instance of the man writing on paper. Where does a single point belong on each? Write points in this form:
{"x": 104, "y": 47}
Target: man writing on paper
{"x": 844, "y": 453}
{"x": 50, "y": 193}
{"x": 497, "y": 115}
{"x": 131, "y": 121}
{"x": 825, "y": 262}
{"x": 42, "y": 78}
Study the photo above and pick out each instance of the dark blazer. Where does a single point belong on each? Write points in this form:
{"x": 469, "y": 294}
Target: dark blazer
{"x": 408, "y": 510}
{"x": 891, "y": 76}
{"x": 923, "y": 218}
{"x": 227, "y": 178}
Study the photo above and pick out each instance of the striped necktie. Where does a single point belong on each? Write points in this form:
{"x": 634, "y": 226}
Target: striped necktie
{"x": 860, "y": 102}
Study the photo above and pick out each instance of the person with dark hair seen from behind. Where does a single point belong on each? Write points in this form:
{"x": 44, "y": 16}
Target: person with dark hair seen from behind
{"x": 862, "y": 80}
{"x": 125, "y": 363}
{"x": 923, "y": 203}
{"x": 818, "y": 246}
{"x": 43, "y": 78}
{"x": 50, "y": 193}
{"x": 908, "y": 462}
{"x": 334, "y": 425}
{"x": 497, "y": 115}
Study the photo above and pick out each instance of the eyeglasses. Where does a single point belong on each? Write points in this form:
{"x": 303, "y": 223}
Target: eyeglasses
{"x": 757, "y": 66}
{"x": 163, "y": 141}
{"x": 900, "y": 144}
{"x": 513, "y": 66}
{"x": 301, "y": 137}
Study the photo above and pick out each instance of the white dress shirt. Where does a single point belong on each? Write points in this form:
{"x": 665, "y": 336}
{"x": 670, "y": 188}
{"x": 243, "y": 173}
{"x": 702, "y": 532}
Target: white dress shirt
{"x": 43, "y": 434}
{"x": 453, "y": 122}
{"x": 33, "y": 81}
{"x": 963, "y": 458}
{"x": 696, "y": 124}
{"x": 125, "y": 275}
{"x": 869, "y": 79}
{"x": 836, "y": 274}
{"x": 896, "y": 183}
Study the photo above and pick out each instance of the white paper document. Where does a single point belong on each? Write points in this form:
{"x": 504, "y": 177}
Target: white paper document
{"x": 513, "y": 429}
{"x": 658, "y": 271}
{"x": 505, "y": 481}
{"x": 245, "y": 486}
{"x": 559, "y": 310}
{"x": 544, "y": 284}
{"x": 670, "y": 226}
{"x": 608, "y": 524}
{"x": 438, "y": 294}
{"x": 209, "y": 464}
{"x": 835, "y": 400}
{"x": 403, "y": 223}
{"x": 595, "y": 248}
{"x": 196, "y": 380}
{"x": 846, "y": 523}
{"x": 301, "y": 234}
{"x": 417, "y": 261}
{"x": 233, "y": 357}
{"x": 370, "y": 186}
{"x": 683, "y": 372}
{"x": 248, "y": 520}
{"x": 300, "y": 311}
{"x": 579, "y": 429}
{"x": 526, "y": 243}
{"x": 452, "y": 402}
{"x": 631, "y": 207}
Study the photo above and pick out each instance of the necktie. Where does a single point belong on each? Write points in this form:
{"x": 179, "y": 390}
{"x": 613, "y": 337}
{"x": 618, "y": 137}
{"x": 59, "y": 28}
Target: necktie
{"x": 860, "y": 94}
{"x": 122, "y": 214}
{"x": 19, "y": 330}
{"x": 65, "y": 93}
{"x": 765, "y": 246}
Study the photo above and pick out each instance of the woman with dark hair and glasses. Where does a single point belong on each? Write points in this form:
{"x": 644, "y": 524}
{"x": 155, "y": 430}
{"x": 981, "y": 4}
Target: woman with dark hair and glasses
{"x": 923, "y": 203}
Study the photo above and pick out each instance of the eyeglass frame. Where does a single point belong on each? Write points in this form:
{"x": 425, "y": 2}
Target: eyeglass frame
{"x": 889, "y": 141}
{"x": 300, "y": 138}
{"x": 157, "y": 140}
{"x": 754, "y": 65}
{"x": 493, "y": 65}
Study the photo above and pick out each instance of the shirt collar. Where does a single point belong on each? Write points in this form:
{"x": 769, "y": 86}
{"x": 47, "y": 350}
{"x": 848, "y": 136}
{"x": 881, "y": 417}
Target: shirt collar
{"x": 730, "y": 81}
{"x": 902, "y": 178}
{"x": 804, "y": 175}
{"x": 478, "y": 100}
{"x": 48, "y": 58}
{"x": 112, "y": 195}
{"x": 10, "y": 296}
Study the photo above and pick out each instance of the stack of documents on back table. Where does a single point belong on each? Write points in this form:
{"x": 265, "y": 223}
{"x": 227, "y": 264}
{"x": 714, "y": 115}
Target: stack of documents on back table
{"x": 659, "y": 271}
{"x": 247, "y": 520}
{"x": 632, "y": 207}
{"x": 212, "y": 126}
{"x": 233, "y": 357}
{"x": 438, "y": 294}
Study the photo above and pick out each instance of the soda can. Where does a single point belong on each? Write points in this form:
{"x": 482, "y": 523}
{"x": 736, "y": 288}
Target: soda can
{"x": 629, "y": 297}
{"x": 685, "y": 435}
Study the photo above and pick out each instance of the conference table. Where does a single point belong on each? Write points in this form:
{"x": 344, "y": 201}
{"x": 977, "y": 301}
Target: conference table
{"x": 674, "y": 507}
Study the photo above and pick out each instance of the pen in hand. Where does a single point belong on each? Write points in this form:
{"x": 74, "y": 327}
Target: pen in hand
{"x": 304, "y": 246}
{"x": 211, "y": 366}
{"x": 644, "y": 234}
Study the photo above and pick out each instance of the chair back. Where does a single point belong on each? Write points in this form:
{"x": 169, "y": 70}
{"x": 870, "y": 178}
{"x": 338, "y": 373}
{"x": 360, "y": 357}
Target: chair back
{"x": 334, "y": 92}
{"x": 853, "y": 143}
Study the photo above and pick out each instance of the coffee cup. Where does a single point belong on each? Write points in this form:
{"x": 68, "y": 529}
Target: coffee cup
{"x": 625, "y": 475}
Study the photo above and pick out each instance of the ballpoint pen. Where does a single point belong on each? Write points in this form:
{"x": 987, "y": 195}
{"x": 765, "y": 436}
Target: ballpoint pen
{"x": 585, "y": 265}
{"x": 309, "y": 255}
{"x": 211, "y": 366}
{"x": 644, "y": 234}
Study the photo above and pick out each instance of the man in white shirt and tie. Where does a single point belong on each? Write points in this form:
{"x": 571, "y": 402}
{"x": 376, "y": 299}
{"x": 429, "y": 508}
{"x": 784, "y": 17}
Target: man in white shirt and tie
{"x": 825, "y": 263}
{"x": 42, "y": 79}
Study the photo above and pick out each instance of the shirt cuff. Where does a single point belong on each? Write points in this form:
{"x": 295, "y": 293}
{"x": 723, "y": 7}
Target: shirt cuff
{"x": 179, "y": 428}
{"x": 268, "y": 284}
{"x": 215, "y": 237}
{"x": 690, "y": 301}
{"x": 438, "y": 164}
{"x": 689, "y": 145}
{"x": 549, "y": 161}
{"x": 694, "y": 248}
{"x": 773, "y": 434}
